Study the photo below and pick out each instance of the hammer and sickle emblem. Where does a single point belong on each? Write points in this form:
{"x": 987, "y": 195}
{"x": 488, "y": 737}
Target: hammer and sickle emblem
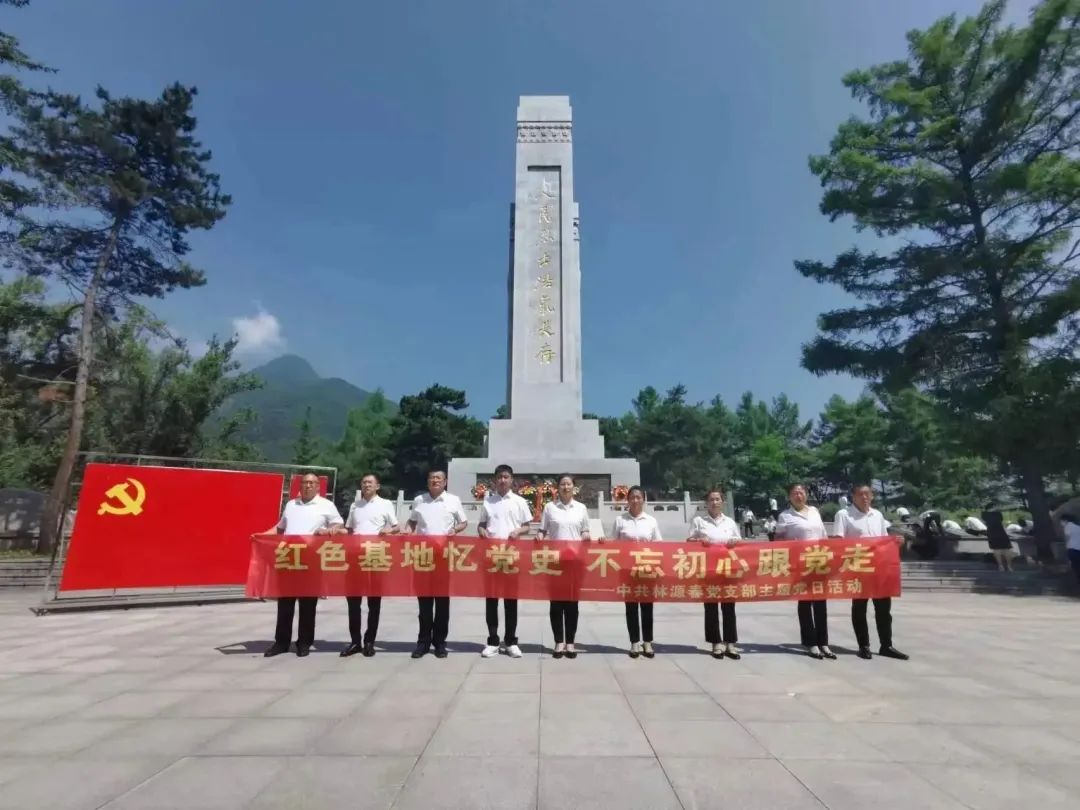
{"x": 124, "y": 501}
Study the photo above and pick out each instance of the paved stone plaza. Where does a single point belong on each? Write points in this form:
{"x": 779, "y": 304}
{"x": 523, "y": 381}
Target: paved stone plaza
{"x": 177, "y": 708}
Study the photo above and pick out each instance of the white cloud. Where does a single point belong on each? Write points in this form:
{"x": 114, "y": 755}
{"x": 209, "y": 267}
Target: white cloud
{"x": 258, "y": 334}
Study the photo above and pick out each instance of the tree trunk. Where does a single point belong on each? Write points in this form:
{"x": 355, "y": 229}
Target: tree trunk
{"x": 52, "y": 518}
{"x": 1040, "y": 510}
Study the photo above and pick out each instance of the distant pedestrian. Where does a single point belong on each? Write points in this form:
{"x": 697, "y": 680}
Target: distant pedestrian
{"x": 747, "y": 523}
{"x": 993, "y": 523}
{"x": 1070, "y": 524}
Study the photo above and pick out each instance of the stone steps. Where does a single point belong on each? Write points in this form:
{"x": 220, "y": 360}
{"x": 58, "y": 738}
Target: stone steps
{"x": 19, "y": 573}
{"x": 977, "y": 576}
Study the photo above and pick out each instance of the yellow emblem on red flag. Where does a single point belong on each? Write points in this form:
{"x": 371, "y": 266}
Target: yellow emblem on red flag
{"x": 126, "y": 499}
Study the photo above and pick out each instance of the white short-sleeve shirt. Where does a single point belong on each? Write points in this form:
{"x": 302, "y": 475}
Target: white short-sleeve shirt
{"x": 564, "y": 521}
{"x": 792, "y": 525}
{"x": 503, "y": 514}
{"x": 306, "y": 517}
{"x": 714, "y": 529}
{"x": 1072, "y": 536}
{"x": 642, "y": 527}
{"x": 371, "y": 517}
{"x": 747, "y": 516}
{"x": 850, "y": 522}
{"x": 437, "y": 515}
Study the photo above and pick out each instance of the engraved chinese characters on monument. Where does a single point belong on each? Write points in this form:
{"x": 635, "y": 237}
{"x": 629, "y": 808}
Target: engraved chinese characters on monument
{"x": 545, "y": 276}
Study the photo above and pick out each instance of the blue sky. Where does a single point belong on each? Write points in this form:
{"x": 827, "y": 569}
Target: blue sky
{"x": 369, "y": 151}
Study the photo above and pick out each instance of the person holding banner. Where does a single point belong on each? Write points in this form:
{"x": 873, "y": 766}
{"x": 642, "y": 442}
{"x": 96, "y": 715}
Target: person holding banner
{"x": 564, "y": 519}
{"x": 369, "y": 515}
{"x": 800, "y": 521}
{"x": 860, "y": 519}
{"x": 504, "y": 515}
{"x": 308, "y": 514}
{"x": 716, "y": 527}
{"x": 435, "y": 512}
{"x": 634, "y": 524}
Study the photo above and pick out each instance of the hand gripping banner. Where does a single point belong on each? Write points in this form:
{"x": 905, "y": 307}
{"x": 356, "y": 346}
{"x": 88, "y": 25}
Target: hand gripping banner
{"x": 612, "y": 571}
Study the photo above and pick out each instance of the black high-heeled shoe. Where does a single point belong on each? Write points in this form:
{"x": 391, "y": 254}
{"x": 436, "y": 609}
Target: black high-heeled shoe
{"x": 813, "y": 653}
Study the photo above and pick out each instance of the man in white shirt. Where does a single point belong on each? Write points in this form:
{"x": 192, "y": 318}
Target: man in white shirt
{"x": 309, "y": 514}
{"x": 435, "y": 512}
{"x": 860, "y": 519}
{"x": 504, "y": 515}
{"x": 748, "y": 523}
{"x": 369, "y": 515}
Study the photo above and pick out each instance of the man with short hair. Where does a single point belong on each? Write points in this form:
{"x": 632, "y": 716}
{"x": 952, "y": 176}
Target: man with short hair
{"x": 308, "y": 514}
{"x": 504, "y": 515}
{"x": 369, "y": 515}
{"x": 435, "y": 512}
{"x": 860, "y": 519}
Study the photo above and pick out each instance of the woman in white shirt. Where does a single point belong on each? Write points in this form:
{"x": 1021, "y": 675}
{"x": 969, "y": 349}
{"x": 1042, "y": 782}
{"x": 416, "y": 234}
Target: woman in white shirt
{"x": 716, "y": 527}
{"x": 564, "y": 519}
{"x": 801, "y": 521}
{"x": 634, "y": 524}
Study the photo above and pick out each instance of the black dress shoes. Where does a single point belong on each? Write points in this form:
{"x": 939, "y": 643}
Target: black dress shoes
{"x": 352, "y": 649}
{"x": 421, "y": 650}
{"x": 276, "y": 649}
{"x": 892, "y": 652}
{"x": 369, "y": 650}
{"x": 864, "y": 653}
{"x": 440, "y": 651}
{"x": 813, "y": 653}
{"x": 302, "y": 650}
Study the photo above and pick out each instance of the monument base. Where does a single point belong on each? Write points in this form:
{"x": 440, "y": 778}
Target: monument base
{"x": 463, "y": 472}
{"x": 547, "y": 439}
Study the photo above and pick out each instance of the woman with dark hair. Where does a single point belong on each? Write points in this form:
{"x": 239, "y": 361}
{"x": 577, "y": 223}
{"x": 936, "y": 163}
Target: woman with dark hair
{"x": 564, "y": 519}
{"x": 800, "y": 521}
{"x": 634, "y": 524}
{"x": 716, "y": 527}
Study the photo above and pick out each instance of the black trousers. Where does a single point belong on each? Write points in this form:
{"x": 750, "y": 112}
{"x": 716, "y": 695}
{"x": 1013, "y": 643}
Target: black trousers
{"x": 305, "y": 631}
{"x": 645, "y": 627}
{"x": 712, "y": 623}
{"x": 882, "y": 618}
{"x": 564, "y": 616}
{"x": 356, "y": 623}
{"x": 434, "y": 619}
{"x": 814, "y": 623}
{"x": 510, "y": 609}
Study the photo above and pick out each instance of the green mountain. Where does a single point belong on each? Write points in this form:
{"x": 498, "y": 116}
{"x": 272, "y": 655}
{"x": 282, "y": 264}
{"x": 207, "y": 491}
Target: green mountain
{"x": 291, "y": 385}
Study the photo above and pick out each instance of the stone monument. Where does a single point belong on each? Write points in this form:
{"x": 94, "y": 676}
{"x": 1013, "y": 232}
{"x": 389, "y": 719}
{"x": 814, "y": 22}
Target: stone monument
{"x": 545, "y": 433}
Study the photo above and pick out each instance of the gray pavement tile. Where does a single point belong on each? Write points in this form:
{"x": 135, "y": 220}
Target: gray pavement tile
{"x": 375, "y": 736}
{"x": 816, "y": 741}
{"x": 75, "y": 784}
{"x": 590, "y": 725}
{"x": 316, "y": 783}
{"x": 676, "y": 707}
{"x": 628, "y": 783}
{"x": 461, "y": 783}
{"x": 1018, "y": 744}
{"x": 166, "y": 737}
{"x": 202, "y": 783}
{"x": 59, "y": 737}
{"x": 998, "y": 786}
{"x": 592, "y": 681}
{"x": 358, "y": 679}
{"x": 907, "y": 742}
{"x": 131, "y": 705}
{"x": 682, "y": 738}
{"x": 265, "y": 736}
{"x": 486, "y": 682}
{"x": 396, "y": 705}
{"x": 718, "y": 783}
{"x": 309, "y": 703}
{"x": 860, "y": 785}
{"x": 645, "y": 682}
{"x": 777, "y": 708}
{"x": 224, "y": 703}
{"x": 45, "y": 707}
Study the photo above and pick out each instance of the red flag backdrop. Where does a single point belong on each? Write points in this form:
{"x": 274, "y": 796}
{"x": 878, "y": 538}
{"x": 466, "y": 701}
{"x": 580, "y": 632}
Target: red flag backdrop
{"x": 351, "y": 565}
{"x": 147, "y": 527}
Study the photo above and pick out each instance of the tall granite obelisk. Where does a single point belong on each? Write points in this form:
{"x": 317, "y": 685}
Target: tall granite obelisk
{"x": 545, "y": 434}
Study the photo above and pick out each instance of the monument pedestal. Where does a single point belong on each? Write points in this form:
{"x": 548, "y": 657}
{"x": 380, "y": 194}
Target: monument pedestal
{"x": 545, "y": 434}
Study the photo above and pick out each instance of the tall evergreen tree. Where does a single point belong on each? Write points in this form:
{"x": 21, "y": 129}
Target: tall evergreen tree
{"x": 132, "y": 182}
{"x": 970, "y": 153}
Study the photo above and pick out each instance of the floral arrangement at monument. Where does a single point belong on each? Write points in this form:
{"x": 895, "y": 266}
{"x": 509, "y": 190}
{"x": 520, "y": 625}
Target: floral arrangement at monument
{"x": 479, "y": 491}
{"x": 619, "y": 493}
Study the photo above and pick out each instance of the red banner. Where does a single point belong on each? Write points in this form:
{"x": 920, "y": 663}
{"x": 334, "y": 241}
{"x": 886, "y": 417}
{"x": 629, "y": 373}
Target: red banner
{"x": 353, "y": 565}
{"x": 150, "y": 527}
